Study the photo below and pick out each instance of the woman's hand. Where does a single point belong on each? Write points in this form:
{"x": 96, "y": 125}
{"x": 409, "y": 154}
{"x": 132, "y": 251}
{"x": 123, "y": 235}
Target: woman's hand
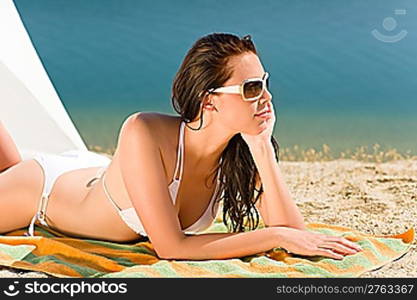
{"x": 308, "y": 243}
{"x": 265, "y": 135}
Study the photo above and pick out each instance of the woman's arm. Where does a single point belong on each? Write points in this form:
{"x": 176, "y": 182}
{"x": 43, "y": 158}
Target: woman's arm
{"x": 226, "y": 245}
{"x": 275, "y": 204}
{"x": 232, "y": 245}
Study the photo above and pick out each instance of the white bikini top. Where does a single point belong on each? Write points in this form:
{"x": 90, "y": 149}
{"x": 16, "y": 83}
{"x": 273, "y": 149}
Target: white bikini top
{"x": 130, "y": 216}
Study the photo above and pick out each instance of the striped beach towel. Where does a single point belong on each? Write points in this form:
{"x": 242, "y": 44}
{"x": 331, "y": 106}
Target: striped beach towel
{"x": 61, "y": 256}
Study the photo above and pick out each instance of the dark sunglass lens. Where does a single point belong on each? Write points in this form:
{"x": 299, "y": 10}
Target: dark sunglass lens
{"x": 252, "y": 89}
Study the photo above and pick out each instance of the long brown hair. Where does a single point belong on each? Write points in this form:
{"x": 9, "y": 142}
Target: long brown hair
{"x": 205, "y": 66}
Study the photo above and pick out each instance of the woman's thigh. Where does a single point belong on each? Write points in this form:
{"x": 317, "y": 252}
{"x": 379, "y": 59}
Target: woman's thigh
{"x": 20, "y": 192}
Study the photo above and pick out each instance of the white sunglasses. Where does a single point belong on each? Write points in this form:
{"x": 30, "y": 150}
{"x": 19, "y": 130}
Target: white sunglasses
{"x": 251, "y": 89}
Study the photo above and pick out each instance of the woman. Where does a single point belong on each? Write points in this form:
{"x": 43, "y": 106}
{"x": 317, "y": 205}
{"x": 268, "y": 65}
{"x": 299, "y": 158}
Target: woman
{"x": 220, "y": 137}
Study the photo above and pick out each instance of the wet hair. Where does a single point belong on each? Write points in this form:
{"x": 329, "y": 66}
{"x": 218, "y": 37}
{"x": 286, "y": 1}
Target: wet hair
{"x": 206, "y": 66}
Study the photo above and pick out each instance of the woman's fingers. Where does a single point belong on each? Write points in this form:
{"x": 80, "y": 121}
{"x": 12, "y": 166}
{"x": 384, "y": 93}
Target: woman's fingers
{"x": 344, "y": 242}
{"x": 337, "y": 246}
{"x": 328, "y": 253}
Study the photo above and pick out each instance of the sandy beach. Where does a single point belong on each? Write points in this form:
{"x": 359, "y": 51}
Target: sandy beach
{"x": 372, "y": 197}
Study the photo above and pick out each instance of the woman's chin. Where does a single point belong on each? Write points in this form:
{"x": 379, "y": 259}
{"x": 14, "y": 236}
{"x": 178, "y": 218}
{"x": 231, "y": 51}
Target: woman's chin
{"x": 262, "y": 123}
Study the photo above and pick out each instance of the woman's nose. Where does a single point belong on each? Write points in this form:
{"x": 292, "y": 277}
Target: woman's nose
{"x": 267, "y": 96}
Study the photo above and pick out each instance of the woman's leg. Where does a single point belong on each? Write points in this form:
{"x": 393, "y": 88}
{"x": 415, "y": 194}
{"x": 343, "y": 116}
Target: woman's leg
{"x": 9, "y": 155}
{"x": 20, "y": 192}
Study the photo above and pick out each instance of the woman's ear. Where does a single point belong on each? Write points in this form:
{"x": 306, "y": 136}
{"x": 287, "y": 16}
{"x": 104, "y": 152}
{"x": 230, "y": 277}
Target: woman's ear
{"x": 208, "y": 102}
{"x": 210, "y": 106}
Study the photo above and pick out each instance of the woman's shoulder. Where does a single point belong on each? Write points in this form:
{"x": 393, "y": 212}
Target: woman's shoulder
{"x": 161, "y": 126}
{"x": 161, "y": 129}
{"x": 154, "y": 120}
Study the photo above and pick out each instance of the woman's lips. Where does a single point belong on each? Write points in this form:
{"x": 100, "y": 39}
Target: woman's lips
{"x": 264, "y": 114}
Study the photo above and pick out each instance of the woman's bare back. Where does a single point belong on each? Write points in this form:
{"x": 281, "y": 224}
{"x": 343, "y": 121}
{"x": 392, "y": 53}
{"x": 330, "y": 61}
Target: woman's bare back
{"x": 75, "y": 209}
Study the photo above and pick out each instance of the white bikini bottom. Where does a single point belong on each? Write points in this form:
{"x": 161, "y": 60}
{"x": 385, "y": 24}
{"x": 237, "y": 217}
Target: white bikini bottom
{"x": 54, "y": 165}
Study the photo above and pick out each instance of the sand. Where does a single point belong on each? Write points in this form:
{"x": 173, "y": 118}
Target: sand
{"x": 375, "y": 198}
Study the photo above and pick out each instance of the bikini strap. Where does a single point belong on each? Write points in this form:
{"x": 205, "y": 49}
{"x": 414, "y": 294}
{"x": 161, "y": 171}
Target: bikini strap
{"x": 218, "y": 171}
{"x": 99, "y": 173}
{"x": 108, "y": 194}
{"x": 40, "y": 215}
{"x": 180, "y": 152}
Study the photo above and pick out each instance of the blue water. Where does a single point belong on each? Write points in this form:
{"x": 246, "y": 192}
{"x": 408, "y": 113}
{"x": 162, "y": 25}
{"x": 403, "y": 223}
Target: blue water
{"x": 332, "y": 81}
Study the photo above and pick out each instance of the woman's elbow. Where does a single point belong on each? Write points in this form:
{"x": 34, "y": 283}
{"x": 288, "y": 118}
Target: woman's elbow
{"x": 169, "y": 254}
{"x": 170, "y": 251}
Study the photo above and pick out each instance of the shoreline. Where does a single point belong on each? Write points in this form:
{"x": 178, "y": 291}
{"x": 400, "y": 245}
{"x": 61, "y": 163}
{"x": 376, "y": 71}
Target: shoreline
{"x": 296, "y": 153}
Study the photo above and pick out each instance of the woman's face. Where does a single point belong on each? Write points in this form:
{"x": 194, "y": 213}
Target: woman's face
{"x": 235, "y": 113}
